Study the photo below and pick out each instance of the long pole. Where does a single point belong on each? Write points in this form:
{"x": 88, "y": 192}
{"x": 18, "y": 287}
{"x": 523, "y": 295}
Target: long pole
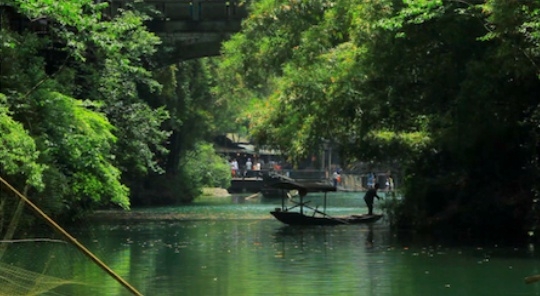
{"x": 72, "y": 240}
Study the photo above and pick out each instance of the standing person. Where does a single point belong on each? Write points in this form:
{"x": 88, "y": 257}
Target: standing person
{"x": 335, "y": 177}
{"x": 257, "y": 168}
{"x": 371, "y": 180}
{"x": 234, "y": 167}
{"x": 370, "y": 196}
{"x": 390, "y": 183}
{"x": 249, "y": 166}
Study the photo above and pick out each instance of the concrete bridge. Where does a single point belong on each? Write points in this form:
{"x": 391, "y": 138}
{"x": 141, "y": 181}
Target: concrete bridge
{"x": 190, "y": 29}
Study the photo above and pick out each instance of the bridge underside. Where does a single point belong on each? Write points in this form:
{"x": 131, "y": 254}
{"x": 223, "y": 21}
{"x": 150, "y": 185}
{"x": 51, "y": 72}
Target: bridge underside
{"x": 193, "y": 39}
{"x": 191, "y": 29}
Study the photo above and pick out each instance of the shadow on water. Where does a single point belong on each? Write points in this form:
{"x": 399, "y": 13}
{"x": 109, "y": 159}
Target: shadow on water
{"x": 369, "y": 237}
{"x": 328, "y": 238}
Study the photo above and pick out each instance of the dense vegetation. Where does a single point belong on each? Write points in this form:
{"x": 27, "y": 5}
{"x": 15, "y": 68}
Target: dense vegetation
{"x": 88, "y": 119}
{"x": 449, "y": 89}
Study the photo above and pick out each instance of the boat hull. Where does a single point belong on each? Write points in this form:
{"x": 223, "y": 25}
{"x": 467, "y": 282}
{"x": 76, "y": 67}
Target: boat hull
{"x": 295, "y": 218}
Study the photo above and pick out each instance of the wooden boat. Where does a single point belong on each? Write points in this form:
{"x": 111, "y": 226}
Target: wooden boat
{"x": 317, "y": 217}
{"x": 268, "y": 190}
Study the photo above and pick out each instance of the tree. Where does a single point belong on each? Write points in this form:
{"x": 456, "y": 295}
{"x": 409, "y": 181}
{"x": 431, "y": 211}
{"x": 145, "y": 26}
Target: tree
{"x": 70, "y": 75}
{"x": 427, "y": 83}
{"x": 196, "y": 115}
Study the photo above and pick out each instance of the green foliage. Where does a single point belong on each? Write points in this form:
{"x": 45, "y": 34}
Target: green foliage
{"x": 82, "y": 141}
{"x": 18, "y": 153}
{"x": 322, "y": 84}
{"x": 207, "y": 169}
{"x": 392, "y": 206}
{"x": 140, "y": 138}
{"x": 194, "y": 111}
{"x": 199, "y": 167}
{"x": 74, "y": 91}
{"x": 447, "y": 88}
{"x": 196, "y": 114}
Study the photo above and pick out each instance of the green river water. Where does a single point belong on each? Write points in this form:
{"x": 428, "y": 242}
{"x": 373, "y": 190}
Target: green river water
{"x": 232, "y": 246}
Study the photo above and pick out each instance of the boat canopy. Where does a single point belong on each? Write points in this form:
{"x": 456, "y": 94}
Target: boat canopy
{"x": 301, "y": 186}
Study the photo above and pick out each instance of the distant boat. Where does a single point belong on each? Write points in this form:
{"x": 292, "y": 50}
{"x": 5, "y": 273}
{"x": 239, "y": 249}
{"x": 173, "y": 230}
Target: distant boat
{"x": 318, "y": 217}
{"x": 296, "y": 218}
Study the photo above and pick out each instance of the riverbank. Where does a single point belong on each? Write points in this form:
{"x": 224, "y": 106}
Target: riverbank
{"x": 157, "y": 213}
{"x": 135, "y": 215}
{"x": 216, "y": 192}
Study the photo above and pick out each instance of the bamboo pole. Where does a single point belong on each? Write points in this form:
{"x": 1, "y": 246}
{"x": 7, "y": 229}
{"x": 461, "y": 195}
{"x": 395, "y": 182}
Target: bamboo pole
{"x": 72, "y": 240}
{"x": 252, "y": 196}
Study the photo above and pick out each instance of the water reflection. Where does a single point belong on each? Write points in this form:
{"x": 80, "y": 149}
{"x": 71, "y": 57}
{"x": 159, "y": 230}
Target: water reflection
{"x": 229, "y": 247}
{"x": 297, "y": 240}
{"x": 369, "y": 237}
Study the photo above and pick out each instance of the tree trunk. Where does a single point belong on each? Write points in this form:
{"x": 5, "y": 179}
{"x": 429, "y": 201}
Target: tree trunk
{"x": 175, "y": 148}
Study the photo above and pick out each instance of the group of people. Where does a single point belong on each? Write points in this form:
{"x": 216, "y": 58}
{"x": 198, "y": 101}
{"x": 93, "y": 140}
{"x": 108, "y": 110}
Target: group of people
{"x": 235, "y": 168}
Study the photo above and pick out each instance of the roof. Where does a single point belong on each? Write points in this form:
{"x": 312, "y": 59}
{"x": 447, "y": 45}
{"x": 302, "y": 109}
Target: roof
{"x": 309, "y": 187}
{"x": 234, "y": 143}
{"x": 237, "y": 138}
{"x": 249, "y": 148}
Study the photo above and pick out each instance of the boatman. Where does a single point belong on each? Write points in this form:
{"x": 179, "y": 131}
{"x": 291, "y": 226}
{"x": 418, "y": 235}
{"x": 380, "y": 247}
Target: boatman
{"x": 370, "y": 196}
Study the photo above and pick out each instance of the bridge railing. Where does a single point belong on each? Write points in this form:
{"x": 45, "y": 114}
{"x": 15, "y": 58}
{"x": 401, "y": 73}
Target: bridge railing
{"x": 197, "y": 10}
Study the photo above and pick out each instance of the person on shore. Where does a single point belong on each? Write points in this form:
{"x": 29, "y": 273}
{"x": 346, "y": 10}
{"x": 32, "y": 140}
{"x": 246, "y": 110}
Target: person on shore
{"x": 257, "y": 169}
{"x": 370, "y": 196}
{"x": 249, "y": 167}
{"x": 389, "y": 183}
{"x": 335, "y": 178}
{"x": 370, "y": 180}
{"x": 234, "y": 167}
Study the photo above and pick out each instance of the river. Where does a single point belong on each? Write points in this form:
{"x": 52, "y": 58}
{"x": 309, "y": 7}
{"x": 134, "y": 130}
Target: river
{"x": 232, "y": 246}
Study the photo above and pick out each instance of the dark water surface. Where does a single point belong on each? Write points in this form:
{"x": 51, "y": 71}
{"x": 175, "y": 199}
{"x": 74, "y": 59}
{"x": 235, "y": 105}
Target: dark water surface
{"x": 230, "y": 246}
